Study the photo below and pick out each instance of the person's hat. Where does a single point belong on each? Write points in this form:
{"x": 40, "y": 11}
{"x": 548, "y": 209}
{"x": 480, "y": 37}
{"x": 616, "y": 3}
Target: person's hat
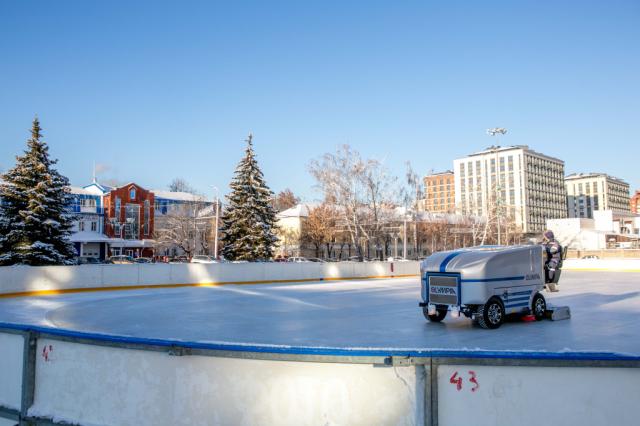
{"x": 548, "y": 234}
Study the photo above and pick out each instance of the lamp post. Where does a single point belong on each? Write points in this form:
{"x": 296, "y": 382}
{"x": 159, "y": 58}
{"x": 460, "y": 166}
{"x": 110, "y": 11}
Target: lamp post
{"x": 495, "y": 132}
{"x": 215, "y": 232}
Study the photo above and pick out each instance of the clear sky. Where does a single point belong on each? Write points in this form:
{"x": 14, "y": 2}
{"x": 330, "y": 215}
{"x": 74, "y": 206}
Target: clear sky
{"x": 153, "y": 90}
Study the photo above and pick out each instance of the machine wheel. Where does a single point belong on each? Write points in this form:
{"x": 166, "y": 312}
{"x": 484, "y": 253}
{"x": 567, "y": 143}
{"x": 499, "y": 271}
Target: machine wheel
{"x": 491, "y": 314}
{"x": 439, "y": 316}
{"x": 538, "y": 306}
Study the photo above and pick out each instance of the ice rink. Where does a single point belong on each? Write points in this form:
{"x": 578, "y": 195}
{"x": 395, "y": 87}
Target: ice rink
{"x": 362, "y": 317}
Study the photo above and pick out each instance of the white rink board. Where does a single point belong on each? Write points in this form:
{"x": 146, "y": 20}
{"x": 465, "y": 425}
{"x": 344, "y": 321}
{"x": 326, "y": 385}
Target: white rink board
{"x": 26, "y": 278}
{"x": 537, "y": 396}
{"x": 11, "y": 351}
{"x": 101, "y": 385}
{"x": 7, "y": 422}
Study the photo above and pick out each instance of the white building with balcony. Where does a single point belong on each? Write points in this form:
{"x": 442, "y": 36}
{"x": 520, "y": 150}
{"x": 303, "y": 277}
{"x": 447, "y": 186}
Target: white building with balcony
{"x": 588, "y": 192}
{"x": 513, "y": 183}
{"x": 88, "y": 229}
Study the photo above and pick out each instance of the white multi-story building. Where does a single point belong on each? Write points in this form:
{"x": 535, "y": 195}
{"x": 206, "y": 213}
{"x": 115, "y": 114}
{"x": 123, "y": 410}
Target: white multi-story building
{"x": 587, "y": 192}
{"x": 511, "y": 182}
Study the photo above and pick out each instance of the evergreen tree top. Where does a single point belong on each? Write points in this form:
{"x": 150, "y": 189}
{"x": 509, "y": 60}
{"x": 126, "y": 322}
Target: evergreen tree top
{"x": 35, "y": 222}
{"x": 249, "y": 221}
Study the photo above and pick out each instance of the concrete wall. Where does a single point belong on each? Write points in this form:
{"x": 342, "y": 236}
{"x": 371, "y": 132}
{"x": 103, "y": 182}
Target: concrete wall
{"x": 16, "y": 279}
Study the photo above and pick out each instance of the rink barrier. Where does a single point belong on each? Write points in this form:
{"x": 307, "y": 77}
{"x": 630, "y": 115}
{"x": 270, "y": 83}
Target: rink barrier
{"x": 211, "y": 284}
{"x": 431, "y": 368}
{"x": 597, "y": 265}
{"x": 51, "y": 280}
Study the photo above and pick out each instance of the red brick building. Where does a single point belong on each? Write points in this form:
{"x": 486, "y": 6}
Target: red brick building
{"x": 129, "y": 218}
{"x": 635, "y": 202}
{"x": 439, "y": 193}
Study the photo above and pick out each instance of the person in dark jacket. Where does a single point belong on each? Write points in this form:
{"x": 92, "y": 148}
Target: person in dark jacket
{"x": 553, "y": 252}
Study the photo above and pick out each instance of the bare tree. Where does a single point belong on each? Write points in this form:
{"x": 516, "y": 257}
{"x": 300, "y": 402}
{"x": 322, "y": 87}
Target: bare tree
{"x": 181, "y": 185}
{"x": 319, "y": 229}
{"x": 360, "y": 190}
{"x": 285, "y": 200}
{"x": 185, "y": 228}
{"x": 411, "y": 196}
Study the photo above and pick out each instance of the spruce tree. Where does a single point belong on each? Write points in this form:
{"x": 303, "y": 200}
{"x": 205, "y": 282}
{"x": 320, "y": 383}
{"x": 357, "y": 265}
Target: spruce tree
{"x": 249, "y": 221}
{"x": 34, "y": 219}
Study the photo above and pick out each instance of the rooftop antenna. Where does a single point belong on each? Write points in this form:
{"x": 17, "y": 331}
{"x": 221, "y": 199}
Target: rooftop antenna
{"x": 95, "y": 180}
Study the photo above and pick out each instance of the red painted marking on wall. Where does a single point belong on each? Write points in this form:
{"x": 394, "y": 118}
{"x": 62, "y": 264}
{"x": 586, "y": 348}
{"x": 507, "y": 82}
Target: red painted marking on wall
{"x": 46, "y": 351}
{"x": 455, "y": 380}
{"x": 474, "y": 381}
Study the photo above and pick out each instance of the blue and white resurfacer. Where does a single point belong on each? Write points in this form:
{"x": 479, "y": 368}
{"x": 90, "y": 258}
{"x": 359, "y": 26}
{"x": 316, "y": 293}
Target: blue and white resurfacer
{"x": 484, "y": 283}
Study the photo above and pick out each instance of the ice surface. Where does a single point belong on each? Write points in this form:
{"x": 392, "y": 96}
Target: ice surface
{"x": 358, "y": 315}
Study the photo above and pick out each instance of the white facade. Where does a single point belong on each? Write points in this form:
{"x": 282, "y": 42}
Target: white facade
{"x": 528, "y": 188}
{"x": 606, "y": 229}
{"x": 588, "y": 192}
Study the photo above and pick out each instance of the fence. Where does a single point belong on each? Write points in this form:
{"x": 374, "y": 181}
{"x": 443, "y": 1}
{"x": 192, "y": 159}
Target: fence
{"x": 604, "y": 254}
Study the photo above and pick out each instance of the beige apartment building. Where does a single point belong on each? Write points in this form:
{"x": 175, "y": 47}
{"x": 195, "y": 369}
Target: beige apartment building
{"x": 514, "y": 183}
{"x": 635, "y": 203}
{"x": 587, "y": 192}
{"x": 439, "y": 194}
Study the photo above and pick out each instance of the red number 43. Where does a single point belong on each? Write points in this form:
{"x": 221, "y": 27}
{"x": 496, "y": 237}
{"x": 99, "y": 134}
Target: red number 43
{"x": 455, "y": 380}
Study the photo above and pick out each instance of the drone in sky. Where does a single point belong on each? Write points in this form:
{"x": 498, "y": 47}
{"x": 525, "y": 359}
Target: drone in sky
{"x": 496, "y": 130}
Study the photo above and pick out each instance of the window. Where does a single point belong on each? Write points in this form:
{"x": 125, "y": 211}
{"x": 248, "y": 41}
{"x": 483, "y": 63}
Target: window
{"x": 118, "y": 207}
{"x": 147, "y": 214}
{"x": 132, "y": 217}
{"x": 81, "y": 225}
{"x": 132, "y": 193}
{"x": 94, "y": 226}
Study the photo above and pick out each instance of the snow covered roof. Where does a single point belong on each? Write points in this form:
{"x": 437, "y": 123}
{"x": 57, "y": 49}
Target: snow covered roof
{"x": 79, "y": 190}
{"x": 299, "y": 210}
{"x": 89, "y": 237}
{"x": 97, "y": 188}
{"x": 177, "y": 196}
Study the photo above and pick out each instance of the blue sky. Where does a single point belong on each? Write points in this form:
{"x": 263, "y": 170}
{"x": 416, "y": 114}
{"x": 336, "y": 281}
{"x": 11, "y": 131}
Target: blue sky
{"x": 153, "y": 91}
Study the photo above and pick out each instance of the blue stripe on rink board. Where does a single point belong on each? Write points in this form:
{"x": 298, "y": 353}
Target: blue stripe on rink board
{"x": 327, "y": 351}
{"x": 490, "y": 280}
{"x": 445, "y": 262}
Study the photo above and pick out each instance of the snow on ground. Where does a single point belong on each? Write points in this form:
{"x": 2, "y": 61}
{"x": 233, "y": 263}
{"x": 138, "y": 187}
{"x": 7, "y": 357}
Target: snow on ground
{"x": 379, "y": 314}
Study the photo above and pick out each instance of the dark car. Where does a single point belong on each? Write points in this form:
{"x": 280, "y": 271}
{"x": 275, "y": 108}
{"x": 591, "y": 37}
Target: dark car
{"x": 89, "y": 261}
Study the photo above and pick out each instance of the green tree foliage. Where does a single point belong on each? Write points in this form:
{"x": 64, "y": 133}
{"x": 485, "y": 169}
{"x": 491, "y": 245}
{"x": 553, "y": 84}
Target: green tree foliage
{"x": 34, "y": 219}
{"x": 249, "y": 222}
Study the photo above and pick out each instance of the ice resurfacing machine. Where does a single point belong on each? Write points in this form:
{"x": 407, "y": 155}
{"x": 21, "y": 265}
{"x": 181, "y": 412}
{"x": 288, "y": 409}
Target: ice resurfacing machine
{"x": 485, "y": 283}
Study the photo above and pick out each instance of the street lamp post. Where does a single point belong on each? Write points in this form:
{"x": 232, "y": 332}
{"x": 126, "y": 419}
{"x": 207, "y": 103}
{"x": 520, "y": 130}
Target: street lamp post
{"x": 215, "y": 232}
{"x": 495, "y": 132}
